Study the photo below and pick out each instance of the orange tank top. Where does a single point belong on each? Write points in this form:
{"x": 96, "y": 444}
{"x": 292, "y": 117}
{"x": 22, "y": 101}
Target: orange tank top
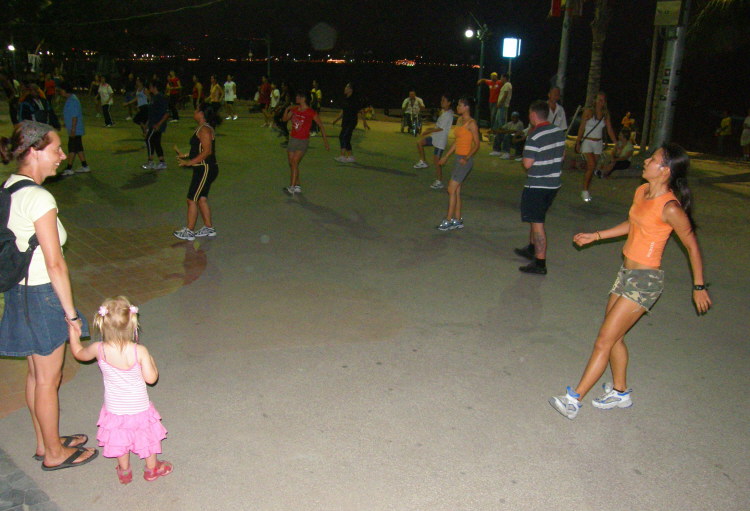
{"x": 463, "y": 141}
{"x": 648, "y": 232}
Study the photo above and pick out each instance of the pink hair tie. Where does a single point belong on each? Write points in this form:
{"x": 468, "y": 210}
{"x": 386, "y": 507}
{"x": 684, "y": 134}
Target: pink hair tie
{"x": 133, "y": 309}
{"x": 103, "y": 311}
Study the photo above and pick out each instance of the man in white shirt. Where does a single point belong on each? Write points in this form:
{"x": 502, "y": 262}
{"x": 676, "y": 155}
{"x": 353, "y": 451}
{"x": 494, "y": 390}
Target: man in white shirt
{"x": 556, "y": 111}
{"x": 511, "y": 134}
{"x": 106, "y": 100}
{"x": 436, "y": 137}
{"x": 230, "y": 94}
{"x": 503, "y": 101}
{"x": 411, "y": 107}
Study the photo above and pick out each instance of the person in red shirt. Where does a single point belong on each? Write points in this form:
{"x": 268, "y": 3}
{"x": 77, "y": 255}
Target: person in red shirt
{"x": 494, "y": 85}
{"x": 50, "y": 89}
{"x": 264, "y": 100}
{"x": 174, "y": 88}
{"x": 302, "y": 117}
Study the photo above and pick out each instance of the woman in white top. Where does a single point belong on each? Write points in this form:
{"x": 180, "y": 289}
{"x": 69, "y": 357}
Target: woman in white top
{"x": 230, "y": 95}
{"x": 590, "y": 138}
{"x": 39, "y": 315}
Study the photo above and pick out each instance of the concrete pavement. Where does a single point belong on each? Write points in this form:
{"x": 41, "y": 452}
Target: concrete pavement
{"x": 335, "y": 352}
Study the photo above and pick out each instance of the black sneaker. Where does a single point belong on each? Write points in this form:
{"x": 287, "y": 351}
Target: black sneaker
{"x": 525, "y": 252}
{"x": 534, "y": 268}
{"x": 598, "y": 173}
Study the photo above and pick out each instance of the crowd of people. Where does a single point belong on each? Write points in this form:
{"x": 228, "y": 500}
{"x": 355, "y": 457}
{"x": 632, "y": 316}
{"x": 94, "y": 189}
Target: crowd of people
{"x": 128, "y": 421}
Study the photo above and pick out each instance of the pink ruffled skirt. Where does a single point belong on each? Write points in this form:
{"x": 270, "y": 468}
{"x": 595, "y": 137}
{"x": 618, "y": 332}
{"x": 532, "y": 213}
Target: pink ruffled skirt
{"x": 140, "y": 433}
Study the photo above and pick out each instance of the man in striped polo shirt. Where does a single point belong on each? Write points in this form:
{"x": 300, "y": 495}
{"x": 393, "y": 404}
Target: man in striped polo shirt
{"x": 542, "y": 159}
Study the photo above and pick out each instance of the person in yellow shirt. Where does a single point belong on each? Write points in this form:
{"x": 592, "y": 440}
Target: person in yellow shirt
{"x": 724, "y": 131}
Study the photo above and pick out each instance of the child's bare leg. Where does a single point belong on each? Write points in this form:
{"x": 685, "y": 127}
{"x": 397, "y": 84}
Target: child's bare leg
{"x": 151, "y": 462}
{"x": 124, "y": 462}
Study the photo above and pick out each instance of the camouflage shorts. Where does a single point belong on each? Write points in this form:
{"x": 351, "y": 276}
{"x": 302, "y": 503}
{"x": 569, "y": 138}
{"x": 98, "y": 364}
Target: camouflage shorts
{"x": 643, "y": 287}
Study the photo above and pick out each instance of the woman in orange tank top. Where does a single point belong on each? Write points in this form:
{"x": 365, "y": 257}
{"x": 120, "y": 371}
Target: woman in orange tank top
{"x": 465, "y": 146}
{"x": 660, "y": 206}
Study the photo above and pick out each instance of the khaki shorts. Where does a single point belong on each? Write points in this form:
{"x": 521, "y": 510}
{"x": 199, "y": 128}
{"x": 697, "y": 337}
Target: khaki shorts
{"x": 644, "y": 287}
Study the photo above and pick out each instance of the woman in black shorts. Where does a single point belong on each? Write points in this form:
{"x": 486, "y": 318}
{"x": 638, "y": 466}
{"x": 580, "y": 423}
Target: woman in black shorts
{"x": 202, "y": 158}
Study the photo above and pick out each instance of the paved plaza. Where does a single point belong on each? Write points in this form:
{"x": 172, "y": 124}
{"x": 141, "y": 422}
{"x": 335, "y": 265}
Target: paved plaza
{"x": 334, "y": 351}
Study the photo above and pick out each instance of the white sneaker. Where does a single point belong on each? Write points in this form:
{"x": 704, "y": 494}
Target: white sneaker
{"x": 234, "y": 118}
{"x": 421, "y": 164}
{"x": 436, "y": 185}
{"x": 149, "y": 165}
{"x": 297, "y": 189}
{"x": 184, "y": 234}
{"x": 340, "y": 159}
{"x": 445, "y": 225}
{"x": 228, "y": 118}
{"x": 289, "y": 190}
{"x": 505, "y": 156}
{"x": 161, "y": 166}
{"x": 83, "y": 170}
{"x": 568, "y": 405}
{"x": 457, "y": 223}
{"x": 205, "y": 231}
{"x": 68, "y": 172}
{"x": 313, "y": 133}
{"x": 496, "y": 153}
{"x": 519, "y": 158}
{"x": 128, "y": 118}
{"x": 350, "y": 159}
{"x": 612, "y": 398}
{"x": 586, "y": 196}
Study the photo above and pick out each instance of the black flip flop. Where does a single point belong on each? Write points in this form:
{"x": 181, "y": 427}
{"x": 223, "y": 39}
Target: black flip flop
{"x": 68, "y": 463}
{"x": 67, "y": 440}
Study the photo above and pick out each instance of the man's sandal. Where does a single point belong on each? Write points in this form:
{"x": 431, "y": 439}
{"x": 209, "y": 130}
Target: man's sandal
{"x": 71, "y": 461}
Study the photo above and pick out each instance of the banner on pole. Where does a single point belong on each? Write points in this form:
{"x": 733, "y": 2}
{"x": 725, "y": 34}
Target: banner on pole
{"x": 668, "y": 13}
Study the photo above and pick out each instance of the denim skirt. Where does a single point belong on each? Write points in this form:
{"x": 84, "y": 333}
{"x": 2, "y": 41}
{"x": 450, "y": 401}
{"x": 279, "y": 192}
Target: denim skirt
{"x": 44, "y": 330}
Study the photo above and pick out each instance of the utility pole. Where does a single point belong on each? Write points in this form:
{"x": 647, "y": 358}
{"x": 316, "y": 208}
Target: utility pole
{"x": 674, "y": 49}
{"x": 562, "y": 62}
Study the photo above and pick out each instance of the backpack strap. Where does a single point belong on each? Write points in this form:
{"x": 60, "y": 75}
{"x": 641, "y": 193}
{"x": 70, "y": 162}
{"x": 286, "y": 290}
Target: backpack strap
{"x": 23, "y": 183}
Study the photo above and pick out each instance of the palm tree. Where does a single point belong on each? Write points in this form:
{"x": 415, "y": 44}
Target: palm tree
{"x": 602, "y": 16}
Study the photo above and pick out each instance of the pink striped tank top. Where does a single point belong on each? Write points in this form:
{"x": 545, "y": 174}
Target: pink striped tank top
{"x": 124, "y": 389}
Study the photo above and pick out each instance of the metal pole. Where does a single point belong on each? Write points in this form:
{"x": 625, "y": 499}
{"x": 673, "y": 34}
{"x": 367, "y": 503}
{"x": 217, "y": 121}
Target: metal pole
{"x": 674, "y": 50}
{"x": 481, "y": 73}
{"x": 650, "y": 95}
{"x": 562, "y": 61}
{"x": 268, "y": 55}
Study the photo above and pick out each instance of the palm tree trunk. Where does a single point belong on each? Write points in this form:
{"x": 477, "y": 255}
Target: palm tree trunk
{"x": 602, "y": 15}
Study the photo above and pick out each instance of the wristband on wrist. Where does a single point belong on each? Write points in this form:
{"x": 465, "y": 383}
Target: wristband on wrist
{"x": 699, "y": 287}
{"x": 75, "y": 318}
{"x": 599, "y": 234}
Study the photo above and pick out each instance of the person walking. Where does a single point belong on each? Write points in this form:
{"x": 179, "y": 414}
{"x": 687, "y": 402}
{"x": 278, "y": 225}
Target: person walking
{"x": 353, "y": 109}
{"x": 128, "y": 421}
{"x": 158, "y": 113}
{"x": 590, "y": 141}
{"x": 465, "y": 146}
{"x": 230, "y": 95}
{"x": 39, "y": 313}
{"x": 174, "y": 90}
{"x": 202, "y": 158}
{"x": 106, "y": 100}
{"x": 662, "y": 205}
{"x": 437, "y": 138}
{"x": 73, "y": 118}
{"x": 302, "y": 117}
{"x": 542, "y": 159}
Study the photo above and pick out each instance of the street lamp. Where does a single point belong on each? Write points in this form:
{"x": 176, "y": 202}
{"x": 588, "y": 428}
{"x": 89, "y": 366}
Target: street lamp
{"x": 11, "y": 47}
{"x": 12, "y": 50}
{"x": 481, "y": 34}
{"x": 511, "y": 50}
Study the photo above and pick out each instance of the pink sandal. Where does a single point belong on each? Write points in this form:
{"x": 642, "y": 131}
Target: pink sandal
{"x": 125, "y": 476}
{"x": 162, "y": 468}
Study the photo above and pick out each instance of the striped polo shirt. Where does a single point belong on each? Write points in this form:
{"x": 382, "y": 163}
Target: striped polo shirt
{"x": 545, "y": 145}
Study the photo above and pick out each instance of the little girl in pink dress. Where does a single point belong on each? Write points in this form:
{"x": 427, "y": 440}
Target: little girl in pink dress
{"x": 128, "y": 421}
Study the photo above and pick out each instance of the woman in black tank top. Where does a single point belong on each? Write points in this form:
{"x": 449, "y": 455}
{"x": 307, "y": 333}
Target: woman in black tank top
{"x": 202, "y": 158}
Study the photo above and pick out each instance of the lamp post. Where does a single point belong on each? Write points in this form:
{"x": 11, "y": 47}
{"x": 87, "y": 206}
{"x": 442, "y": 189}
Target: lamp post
{"x": 12, "y": 50}
{"x": 511, "y": 50}
{"x": 481, "y": 34}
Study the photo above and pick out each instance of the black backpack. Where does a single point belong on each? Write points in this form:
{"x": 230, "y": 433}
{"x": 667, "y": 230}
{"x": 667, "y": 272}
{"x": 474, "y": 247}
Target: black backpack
{"x": 14, "y": 264}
